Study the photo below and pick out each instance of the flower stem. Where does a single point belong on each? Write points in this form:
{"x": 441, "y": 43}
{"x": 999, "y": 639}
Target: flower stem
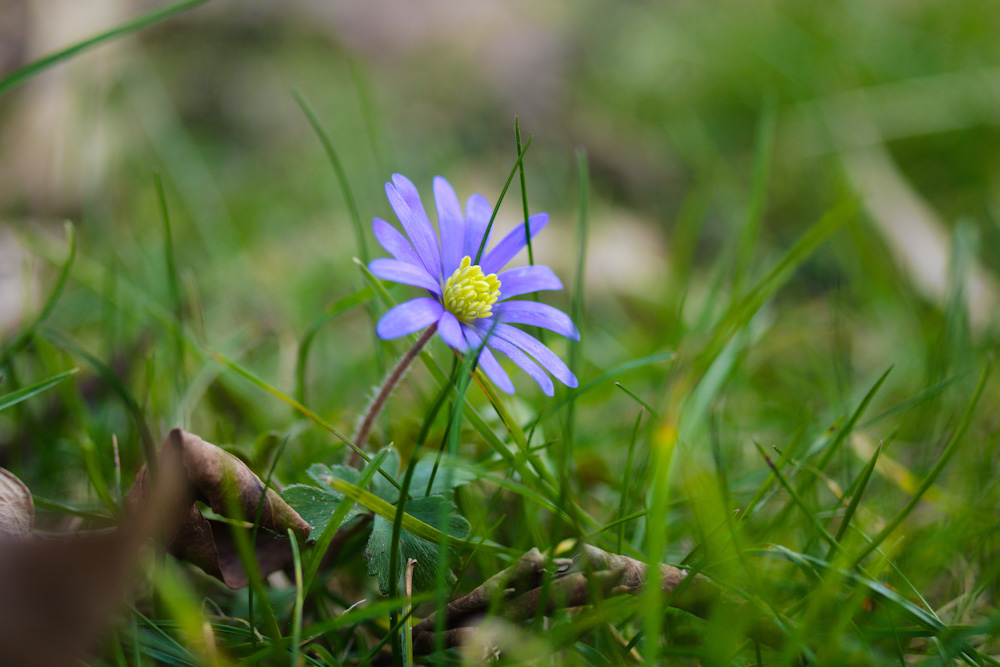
{"x": 395, "y": 375}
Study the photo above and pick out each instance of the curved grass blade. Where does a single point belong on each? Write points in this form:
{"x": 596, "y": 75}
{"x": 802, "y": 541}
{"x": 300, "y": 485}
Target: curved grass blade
{"x": 410, "y": 524}
{"x": 23, "y": 394}
{"x": 856, "y": 498}
{"x": 29, "y": 331}
{"x": 949, "y": 451}
{"x": 338, "y": 170}
{"x": 340, "y": 306}
{"x": 19, "y": 76}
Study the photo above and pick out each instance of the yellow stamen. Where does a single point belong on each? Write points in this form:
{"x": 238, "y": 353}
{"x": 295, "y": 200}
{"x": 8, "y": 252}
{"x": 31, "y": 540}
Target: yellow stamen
{"x": 469, "y": 294}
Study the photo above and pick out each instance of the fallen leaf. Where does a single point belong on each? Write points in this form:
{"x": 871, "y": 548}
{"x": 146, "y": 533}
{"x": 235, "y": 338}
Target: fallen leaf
{"x": 17, "y": 510}
{"x": 57, "y": 593}
{"x": 225, "y": 484}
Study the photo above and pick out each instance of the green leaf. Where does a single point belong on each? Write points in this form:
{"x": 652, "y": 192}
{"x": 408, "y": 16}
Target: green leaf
{"x": 428, "y": 510}
{"x": 381, "y": 487}
{"x": 316, "y": 505}
{"x": 443, "y": 481}
{"x": 322, "y": 474}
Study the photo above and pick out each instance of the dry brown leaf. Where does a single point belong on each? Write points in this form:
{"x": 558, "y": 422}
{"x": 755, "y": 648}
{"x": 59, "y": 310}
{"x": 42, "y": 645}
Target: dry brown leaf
{"x": 57, "y": 593}
{"x": 213, "y": 473}
{"x": 17, "y": 510}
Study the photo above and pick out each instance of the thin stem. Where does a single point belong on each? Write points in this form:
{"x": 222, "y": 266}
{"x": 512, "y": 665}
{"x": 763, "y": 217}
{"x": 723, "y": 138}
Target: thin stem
{"x": 395, "y": 375}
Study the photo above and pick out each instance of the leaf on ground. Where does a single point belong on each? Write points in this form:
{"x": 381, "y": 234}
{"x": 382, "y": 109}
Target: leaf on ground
{"x": 17, "y": 510}
{"x": 59, "y": 592}
{"x": 430, "y": 510}
{"x": 446, "y": 479}
{"x": 322, "y": 474}
{"x": 316, "y": 505}
{"x": 225, "y": 484}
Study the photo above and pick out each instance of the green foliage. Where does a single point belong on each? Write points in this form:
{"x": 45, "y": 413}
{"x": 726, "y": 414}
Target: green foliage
{"x": 431, "y": 488}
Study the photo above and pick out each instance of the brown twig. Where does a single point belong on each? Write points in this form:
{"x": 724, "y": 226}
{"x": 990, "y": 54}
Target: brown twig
{"x": 519, "y": 592}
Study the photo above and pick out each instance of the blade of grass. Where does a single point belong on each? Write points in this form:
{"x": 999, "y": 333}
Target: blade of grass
{"x": 855, "y": 498}
{"x": 635, "y": 364}
{"x": 524, "y": 193}
{"x": 338, "y": 170}
{"x": 949, "y": 451}
{"x": 623, "y": 501}
{"x": 323, "y": 543}
{"x": 576, "y": 308}
{"x": 758, "y": 191}
{"x": 340, "y": 306}
{"x": 638, "y": 400}
{"x": 113, "y": 381}
{"x": 172, "y": 282}
{"x": 28, "y": 332}
{"x": 296, "y": 632}
{"x": 797, "y": 499}
{"x": 254, "y": 379}
{"x": 911, "y": 402}
{"x": 23, "y": 394}
{"x": 741, "y": 312}
{"x": 848, "y": 426}
{"x": 410, "y": 523}
{"x": 489, "y": 227}
{"x": 22, "y": 74}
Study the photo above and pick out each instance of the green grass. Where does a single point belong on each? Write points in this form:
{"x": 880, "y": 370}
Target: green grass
{"x": 767, "y": 397}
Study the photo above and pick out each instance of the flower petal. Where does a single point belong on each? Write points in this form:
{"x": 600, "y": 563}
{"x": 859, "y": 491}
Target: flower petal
{"x": 538, "y": 315}
{"x": 526, "y": 279}
{"x": 524, "y": 363}
{"x": 395, "y": 243}
{"x": 405, "y": 201}
{"x": 409, "y": 317}
{"x": 451, "y": 332}
{"x": 511, "y": 244}
{"x": 451, "y": 223}
{"x": 494, "y": 371}
{"x": 543, "y": 355}
{"x": 403, "y": 272}
{"x": 477, "y": 217}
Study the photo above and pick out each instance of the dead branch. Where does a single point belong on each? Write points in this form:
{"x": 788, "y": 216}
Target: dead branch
{"x": 515, "y": 594}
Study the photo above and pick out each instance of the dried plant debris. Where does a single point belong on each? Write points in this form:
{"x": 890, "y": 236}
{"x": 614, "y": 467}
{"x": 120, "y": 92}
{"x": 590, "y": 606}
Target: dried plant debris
{"x": 226, "y": 485}
{"x": 519, "y": 590}
{"x": 17, "y": 510}
{"x": 57, "y": 593}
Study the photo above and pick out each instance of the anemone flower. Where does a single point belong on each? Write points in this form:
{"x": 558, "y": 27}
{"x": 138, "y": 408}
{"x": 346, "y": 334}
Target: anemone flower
{"x": 469, "y": 301}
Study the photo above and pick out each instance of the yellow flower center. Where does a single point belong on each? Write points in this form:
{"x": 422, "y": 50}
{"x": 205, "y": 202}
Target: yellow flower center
{"x": 469, "y": 294}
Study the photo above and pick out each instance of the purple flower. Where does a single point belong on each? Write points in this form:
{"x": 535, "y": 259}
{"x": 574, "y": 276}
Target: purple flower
{"x": 469, "y": 302}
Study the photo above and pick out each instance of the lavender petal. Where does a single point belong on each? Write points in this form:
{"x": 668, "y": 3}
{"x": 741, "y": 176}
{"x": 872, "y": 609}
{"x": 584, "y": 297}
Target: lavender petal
{"x": 538, "y": 315}
{"x": 451, "y": 332}
{"x": 405, "y": 201}
{"x": 451, "y": 223}
{"x": 543, "y": 355}
{"x": 494, "y": 371}
{"x": 395, "y": 243}
{"x": 527, "y": 279}
{"x": 477, "y": 218}
{"x": 524, "y": 363}
{"x": 409, "y": 317}
{"x": 512, "y": 244}
{"x": 402, "y": 272}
